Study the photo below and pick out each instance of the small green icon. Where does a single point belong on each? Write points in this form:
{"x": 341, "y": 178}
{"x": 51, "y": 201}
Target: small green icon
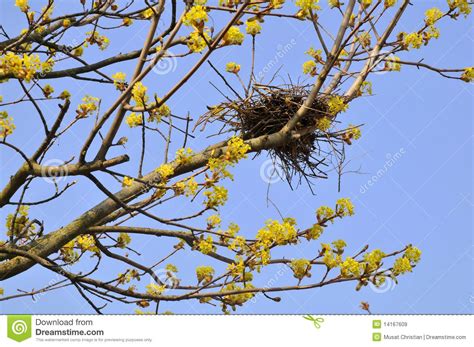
{"x": 19, "y": 327}
{"x": 316, "y": 320}
{"x": 376, "y": 337}
{"x": 376, "y": 324}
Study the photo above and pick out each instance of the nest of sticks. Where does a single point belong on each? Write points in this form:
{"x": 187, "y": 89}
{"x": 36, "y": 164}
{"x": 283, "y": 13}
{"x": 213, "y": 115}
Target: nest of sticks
{"x": 265, "y": 112}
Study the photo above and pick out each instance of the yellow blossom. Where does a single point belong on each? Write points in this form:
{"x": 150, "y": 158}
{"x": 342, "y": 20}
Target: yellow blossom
{"x": 155, "y": 289}
{"x": 196, "y": 16}
{"x": 204, "y": 274}
{"x": 301, "y": 268}
{"x": 468, "y": 74}
{"x": 344, "y": 207}
{"x": 413, "y": 40}
{"x": 197, "y": 41}
{"x": 123, "y": 240}
{"x": 216, "y": 197}
{"x": 6, "y": 124}
{"x": 119, "y": 80}
{"x": 401, "y": 266}
{"x": 206, "y": 246}
{"x": 134, "y": 120}
{"x": 253, "y": 27}
{"x": 127, "y": 181}
{"x": 165, "y": 171}
{"x": 336, "y": 104}
{"x": 233, "y": 36}
{"x": 232, "y": 67}
{"x": 22, "y": 5}
{"x": 139, "y": 94}
{"x": 309, "y": 68}
{"x": 433, "y": 15}
{"x": 88, "y": 106}
{"x": 350, "y": 268}
{"x": 214, "y": 221}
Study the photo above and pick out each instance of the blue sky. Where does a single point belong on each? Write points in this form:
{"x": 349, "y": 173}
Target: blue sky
{"x": 416, "y": 150}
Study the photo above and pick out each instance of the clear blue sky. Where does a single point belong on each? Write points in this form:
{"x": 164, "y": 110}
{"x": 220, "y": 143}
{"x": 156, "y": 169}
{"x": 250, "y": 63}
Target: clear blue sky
{"x": 424, "y": 198}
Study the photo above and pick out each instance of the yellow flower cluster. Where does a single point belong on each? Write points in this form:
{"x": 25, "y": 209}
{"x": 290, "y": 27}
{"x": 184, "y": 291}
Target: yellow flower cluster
{"x": 236, "y": 150}
{"x": 463, "y": 6}
{"x": 134, "y": 120}
{"x": 309, "y": 68}
{"x": 344, "y": 207}
{"x": 253, "y": 27}
{"x": 171, "y": 268}
{"x": 155, "y": 289}
{"x": 315, "y": 232}
{"x": 89, "y": 105}
{"x": 183, "y": 156}
{"x": 123, "y": 240}
{"x": 216, "y": 197}
{"x": 334, "y": 3}
{"x": 323, "y": 124}
{"x": 205, "y": 245}
{"x": 6, "y": 124}
{"x": 232, "y": 67}
{"x": 233, "y": 36}
{"x": 94, "y": 38}
{"x": 389, "y": 3}
{"x": 139, "y": 94}
{"x": 23, "y": 66}
{"x": 364, "y": 39}
{"x": 301, "y": 268}
{"x": 204, "y": 274}
{"x": 307, "y": 5}
{"x": 350, "y": 268}
{"x": 197, "y": 41}
{"x": 366, "y": 3}
{"x": 48, "y": 90}
{"x": 374, "y": 259}
{"x": 352, "y": 133}
{"x": 86, "y": 243}
{"x": 392, "y": 63}
{"x": 330, "y": 259}
{"x": 412, "y": 40}
{"x": 165, "y": 171}
{"x": 324, "y": 213}
{"x": 16, "y": 223}
{"x": 196, "y": 17}
{"x": 22, "y": 4}
{"x": 336, "y": 104}
{"x": 468, "y": 74}
{"x": 433, "y": 15}
{"x": 157, "y": 113}
{"x": 119, "y": 80}
{"x": 214, "y": 221}
{"x": 405, "y": 264}
{"x": 187, "y": 187}
{"x": 401, "y": 266}
{"x": 276, "y": 233}
{"x": 339, "y": 246}
{"x": 237, "y": 299}
{"x": 127, "y": 181}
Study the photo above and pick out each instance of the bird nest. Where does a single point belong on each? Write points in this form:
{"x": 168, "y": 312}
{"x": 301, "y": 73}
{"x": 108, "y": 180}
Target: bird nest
{"x": 265, "y": 112}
